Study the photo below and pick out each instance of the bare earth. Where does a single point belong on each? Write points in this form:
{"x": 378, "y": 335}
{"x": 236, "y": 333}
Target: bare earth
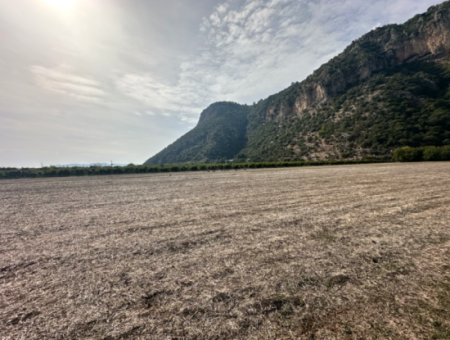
{"x": 342, "y": 252}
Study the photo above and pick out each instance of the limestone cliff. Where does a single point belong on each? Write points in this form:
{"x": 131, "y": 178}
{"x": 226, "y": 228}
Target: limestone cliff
{"x": 425, "y": 37}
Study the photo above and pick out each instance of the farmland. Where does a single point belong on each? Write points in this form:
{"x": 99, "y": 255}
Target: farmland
{"x": 336, "y": 252}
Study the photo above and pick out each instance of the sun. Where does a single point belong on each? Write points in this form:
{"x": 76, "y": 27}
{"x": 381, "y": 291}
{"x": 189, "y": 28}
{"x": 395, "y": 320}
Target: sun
{"x": 62, "y": 4}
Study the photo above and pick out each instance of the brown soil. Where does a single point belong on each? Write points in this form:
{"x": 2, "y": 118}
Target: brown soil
{"x": 342, "y": 252}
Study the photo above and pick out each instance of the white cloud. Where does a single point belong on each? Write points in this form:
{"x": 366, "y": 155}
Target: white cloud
{"x": 189, "y": 120}
{"x": 258, "y": 48}
{"x": 184, "y": 98}
{"x": 60, "y": 80}
{"x": 162, "y": 61}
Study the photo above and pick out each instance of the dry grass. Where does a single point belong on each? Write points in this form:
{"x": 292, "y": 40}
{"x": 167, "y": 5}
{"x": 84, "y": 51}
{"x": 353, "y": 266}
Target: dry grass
{"x": 342, "y": 252}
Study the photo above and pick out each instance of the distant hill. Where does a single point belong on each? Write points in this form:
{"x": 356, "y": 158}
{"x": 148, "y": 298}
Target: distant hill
{"x": 388, "y": 89}
{"x": 87, "y": 165}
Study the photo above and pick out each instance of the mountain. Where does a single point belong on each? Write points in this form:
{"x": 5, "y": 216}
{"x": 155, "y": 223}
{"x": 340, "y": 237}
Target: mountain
{"x": 87, "y": 165}
{"x": 219, "y": 135}
{"x": 390, "y": 88}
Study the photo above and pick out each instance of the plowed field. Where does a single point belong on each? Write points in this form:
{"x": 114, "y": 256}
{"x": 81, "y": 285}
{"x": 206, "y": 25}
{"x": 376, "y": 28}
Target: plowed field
{"x": 341, "y": 252}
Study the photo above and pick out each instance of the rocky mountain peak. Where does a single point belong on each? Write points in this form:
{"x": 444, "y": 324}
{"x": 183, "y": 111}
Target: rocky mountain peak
{"x": 424, "y": 37}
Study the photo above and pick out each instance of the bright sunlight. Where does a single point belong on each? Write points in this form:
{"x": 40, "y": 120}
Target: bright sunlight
{"x": 62, "y": 4}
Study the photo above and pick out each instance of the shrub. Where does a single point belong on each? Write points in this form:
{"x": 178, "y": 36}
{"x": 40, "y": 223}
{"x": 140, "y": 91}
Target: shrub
{"x": 324, "y": 131}
{"x": 432, "y": 153}
{"x": 407, "y": 154}
{"x": 445, "y": 153}
{"x": 429, "y": 153}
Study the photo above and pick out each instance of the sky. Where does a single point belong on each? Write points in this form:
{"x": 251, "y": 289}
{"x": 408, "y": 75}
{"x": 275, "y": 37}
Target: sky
{"x": 95, "y": 81}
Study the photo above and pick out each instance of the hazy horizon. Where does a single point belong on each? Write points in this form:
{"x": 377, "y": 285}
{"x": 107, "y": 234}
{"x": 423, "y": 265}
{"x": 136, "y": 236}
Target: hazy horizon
{"x": 94, "y": 81}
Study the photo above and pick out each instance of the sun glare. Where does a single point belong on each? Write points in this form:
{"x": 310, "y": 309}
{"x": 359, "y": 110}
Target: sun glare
{"x": 62, "y": 4}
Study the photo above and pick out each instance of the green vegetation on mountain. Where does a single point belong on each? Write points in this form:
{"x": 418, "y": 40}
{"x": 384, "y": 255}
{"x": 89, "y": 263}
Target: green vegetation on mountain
{"x": 407, "y": 105}
{"x": 387, "y": 90}
{"x": 219, "y": 135}
{"x": 427, "y": 153}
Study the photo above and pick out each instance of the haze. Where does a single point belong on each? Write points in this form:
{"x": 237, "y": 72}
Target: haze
{"x": 91, "y": 81}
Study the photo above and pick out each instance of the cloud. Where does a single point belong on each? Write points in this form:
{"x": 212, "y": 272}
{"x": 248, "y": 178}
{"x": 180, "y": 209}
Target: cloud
{"x": 254, "y": 48}
{"x": 60, "y": 80}
{"x": 189, "y": 120}
{"x": 251, "y": 49}
{"x": 185, "y": 98}
{"x": 153, "y": 58}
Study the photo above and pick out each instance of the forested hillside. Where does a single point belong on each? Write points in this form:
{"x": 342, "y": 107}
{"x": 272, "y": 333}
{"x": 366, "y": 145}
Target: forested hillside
{"x": 219, "y": 135}
{"x": 403, "y": 106}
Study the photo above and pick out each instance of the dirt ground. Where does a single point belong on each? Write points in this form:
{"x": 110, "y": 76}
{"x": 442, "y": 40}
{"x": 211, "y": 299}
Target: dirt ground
{"x": 341, "y": 252}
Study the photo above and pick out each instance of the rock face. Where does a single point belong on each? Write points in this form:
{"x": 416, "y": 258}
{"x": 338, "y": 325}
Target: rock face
{"x": 425, "y": 37}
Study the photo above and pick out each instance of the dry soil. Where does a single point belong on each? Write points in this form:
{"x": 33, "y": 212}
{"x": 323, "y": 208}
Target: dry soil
{"x": 342, "y": 252}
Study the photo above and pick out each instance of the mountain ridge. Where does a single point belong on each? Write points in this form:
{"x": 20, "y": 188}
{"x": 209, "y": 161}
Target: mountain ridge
{"x": 274, "y": 129}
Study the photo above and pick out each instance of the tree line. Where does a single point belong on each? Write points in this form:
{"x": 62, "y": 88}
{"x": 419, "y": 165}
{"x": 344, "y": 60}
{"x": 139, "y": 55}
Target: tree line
{"x": 10, "y": 173}
{"x": 405, "y": 154}
{"x": 422, "y": 154}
